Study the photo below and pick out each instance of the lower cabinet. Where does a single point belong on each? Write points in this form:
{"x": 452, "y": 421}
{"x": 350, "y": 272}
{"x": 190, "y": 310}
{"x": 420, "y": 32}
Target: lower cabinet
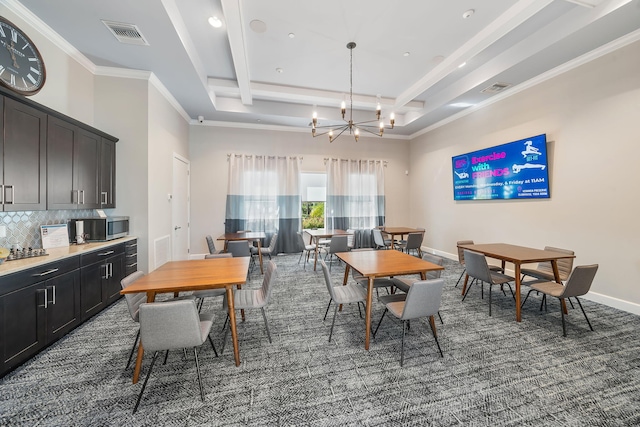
{"x": 35, "y": 315}
{"x": 100, "y": 275}
{"x": 40, "y": 305}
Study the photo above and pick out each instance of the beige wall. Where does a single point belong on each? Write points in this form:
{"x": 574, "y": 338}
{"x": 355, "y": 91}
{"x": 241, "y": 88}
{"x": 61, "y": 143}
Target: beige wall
{"x": 209, "y": 146}
{"x": 590, "y": 116}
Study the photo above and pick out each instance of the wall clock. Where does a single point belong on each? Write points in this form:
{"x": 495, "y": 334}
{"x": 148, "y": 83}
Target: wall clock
{"x": 21, "y": 65}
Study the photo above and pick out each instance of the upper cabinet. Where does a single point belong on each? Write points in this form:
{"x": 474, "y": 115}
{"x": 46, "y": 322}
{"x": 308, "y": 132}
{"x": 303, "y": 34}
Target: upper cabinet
{"x": 22, "y": 157}
{"x": 107, "y": 174}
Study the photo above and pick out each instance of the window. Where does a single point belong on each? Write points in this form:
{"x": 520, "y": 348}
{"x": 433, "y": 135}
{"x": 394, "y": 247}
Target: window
{"x": 314, "y": 194}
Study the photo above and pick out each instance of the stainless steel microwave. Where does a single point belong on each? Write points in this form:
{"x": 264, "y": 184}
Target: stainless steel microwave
{"x": 100, "y": 229}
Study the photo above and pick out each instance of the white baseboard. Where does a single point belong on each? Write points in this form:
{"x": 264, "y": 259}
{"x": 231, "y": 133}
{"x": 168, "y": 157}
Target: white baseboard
{"x": 623, "y": 305}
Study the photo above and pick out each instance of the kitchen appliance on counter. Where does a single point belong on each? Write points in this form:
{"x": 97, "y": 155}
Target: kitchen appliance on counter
{"x": 83, "y": 230}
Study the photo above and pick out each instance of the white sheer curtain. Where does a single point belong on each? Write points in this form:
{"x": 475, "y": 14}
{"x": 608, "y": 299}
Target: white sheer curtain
{"x": 264, "y": 195}
{"x": 355, "y": 196}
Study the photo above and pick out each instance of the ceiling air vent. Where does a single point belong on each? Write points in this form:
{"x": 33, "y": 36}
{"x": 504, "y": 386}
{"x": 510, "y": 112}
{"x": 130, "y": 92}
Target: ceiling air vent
{"x": 495, "y": 88}
{"x": 126, "y": 33}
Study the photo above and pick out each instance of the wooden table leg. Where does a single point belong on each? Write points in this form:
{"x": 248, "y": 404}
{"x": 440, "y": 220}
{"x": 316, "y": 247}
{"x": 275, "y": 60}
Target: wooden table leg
{"x": 367, "y": 333}
{"x": 518, "y": 311}
{"x": 151, "y": 297}
{"x": 232, "y": 324}
{"x": 260, "y": 257}
{"x": 464, "y": 285}
{"x": 315, "y": 262}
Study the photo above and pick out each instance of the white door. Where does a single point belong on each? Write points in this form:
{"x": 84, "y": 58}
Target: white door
{"x": 180, "y": 209}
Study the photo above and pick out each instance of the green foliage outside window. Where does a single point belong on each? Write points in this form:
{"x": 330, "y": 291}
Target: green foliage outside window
{"x": 313, "y": 215}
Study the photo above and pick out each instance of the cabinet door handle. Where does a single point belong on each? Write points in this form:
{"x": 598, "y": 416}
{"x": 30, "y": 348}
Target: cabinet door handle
{"x": 110, "y": 269}
{"x": 106, "y": 271}
{"x": 132, "y": 265}
{"x": 82, "y": 192}
{"x": 2, "y": 195}
{"x": 105, "y": 253}
{"x": 132, "y": 255}
{"x": 104, "y": 198}
{"x": 53, "y": 270}
{"x": 13, "y": 195}
{"x": 53, "y": 294}
{"x": 133, "y": 245}
{"x": 45, "y": 298}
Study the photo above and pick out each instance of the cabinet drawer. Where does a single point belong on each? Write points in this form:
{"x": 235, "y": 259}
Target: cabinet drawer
{"x": 131, "y": 247}
{"x": 101, "y": 254}
{"x": 21, "y": 279}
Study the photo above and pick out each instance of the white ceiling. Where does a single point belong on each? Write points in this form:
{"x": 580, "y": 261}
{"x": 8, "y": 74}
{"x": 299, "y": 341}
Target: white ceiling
{"x": 228, "y": 75}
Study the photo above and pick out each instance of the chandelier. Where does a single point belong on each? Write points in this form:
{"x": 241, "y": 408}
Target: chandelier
{"x": 353, "y": 127}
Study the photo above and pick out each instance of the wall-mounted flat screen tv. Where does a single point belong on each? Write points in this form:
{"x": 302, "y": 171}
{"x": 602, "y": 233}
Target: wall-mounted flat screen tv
{"x": 516, "y": 170}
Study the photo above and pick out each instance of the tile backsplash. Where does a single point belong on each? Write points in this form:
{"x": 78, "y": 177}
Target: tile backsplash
{"x": 24, "y": 227}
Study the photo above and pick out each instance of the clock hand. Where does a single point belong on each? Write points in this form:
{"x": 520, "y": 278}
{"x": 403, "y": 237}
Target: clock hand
{"x": 13, "y": 55}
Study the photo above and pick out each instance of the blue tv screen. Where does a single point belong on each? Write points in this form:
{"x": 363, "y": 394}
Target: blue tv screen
{"x": 516, "y": 170}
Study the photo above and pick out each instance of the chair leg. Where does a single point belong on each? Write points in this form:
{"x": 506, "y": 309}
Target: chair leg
{"x": 133, "y": 349}
{"x": 381, "y": 317}
{"x": 468, "y": 289}
{"x": 326, "y": 312}
{"x": 266, "y": 325}
{"x": 402, "y": 345}
{"x": 440, "y": 317}
{"x": 299, "y": 259}
{"x": 525, "y": 298}
{"x": 490, "y": 300}
{"x": 166, "y": 356}
{"x": 460, "y": 278}
{"x": 195, "y": 353}
{"x": 432, "y": 323}
{"x": 224, "y": 337}
{"x": 585, "y": 314}
{"x": 570, "y": 302}
{"x": 360, "y": 311}
{"x": 333, "y": 321}
{"x": 212, "y": 346}
{"x": 144, "y": 385}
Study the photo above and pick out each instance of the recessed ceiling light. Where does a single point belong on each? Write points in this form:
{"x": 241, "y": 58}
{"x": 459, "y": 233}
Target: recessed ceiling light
{"x": 406, "y": 54}
{"x": 462, "y": 65}
{"x": 215, "y": 22}
{"x": 258, "y": 26}
{"x": 291, "y": 35}
{"x": 438, "y": 59}
{"x": 468, "y": 13}
{"x": 280, "y": 70}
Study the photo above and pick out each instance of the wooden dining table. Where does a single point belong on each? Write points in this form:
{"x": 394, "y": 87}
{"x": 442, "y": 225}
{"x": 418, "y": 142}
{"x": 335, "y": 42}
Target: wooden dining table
{"x": 193, "y": 275}
{"x": 323, "y": 233}
{"x": 382, "y": 263}
{"x": 517, "y": 255}
{"x": 249, "y": 236}
{"x": 399, "y": 231}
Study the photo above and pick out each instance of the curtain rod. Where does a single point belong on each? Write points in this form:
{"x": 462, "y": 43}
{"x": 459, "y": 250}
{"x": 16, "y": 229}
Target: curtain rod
{"x": 326, "y": 159}
{"x": 260, "y": 156}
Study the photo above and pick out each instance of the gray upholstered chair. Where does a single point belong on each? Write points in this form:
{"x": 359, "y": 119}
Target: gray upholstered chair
{"x": 378, "y": 240}
{"x": 271, "y": 249}
{"x": 422, "y": 300}
{"x": 341, "y": 295}
{"x": 461, "y": 260}
{"x": 210, "y": 293}
{"x": 413, "y": 243}
{"x": 244, "y": 299}
{"x": 351, "y": 238}
{"x": 544, "y": 270}
{"x": 305, "y": 249}
{"x": 211, "y": 245}
{"x": 338, "y": 244}
{"x": 578, "y": 284}
{"x": 133, "y": 303}
{"x": 240, "y": 248}
{"x": 172, "y": 325}
{"x": 477, "y": 268}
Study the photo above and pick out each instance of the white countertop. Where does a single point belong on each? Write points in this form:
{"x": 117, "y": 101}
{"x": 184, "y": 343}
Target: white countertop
{"x": 56, "y": 254}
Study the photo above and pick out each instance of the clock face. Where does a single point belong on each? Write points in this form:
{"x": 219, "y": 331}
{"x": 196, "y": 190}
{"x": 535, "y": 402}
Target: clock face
{"x": 21, "y": 66}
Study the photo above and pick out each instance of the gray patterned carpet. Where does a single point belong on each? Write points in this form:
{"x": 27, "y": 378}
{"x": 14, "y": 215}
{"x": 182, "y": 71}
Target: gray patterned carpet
{"x": 495, "y": 372}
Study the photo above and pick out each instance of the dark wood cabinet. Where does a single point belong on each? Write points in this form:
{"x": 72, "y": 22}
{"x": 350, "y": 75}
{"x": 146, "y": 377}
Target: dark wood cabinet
{"x": 37, "y": 307}
{"x": 87, "y": 164}
{"x": 23, "y": 157}
{"x": 107, "y": 174}
{"x": 61, "y": 176}
{"x": 130, "y": 257}
{"x": 100, "y": 275}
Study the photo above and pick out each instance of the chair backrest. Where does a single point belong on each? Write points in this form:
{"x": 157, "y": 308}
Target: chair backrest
{"x": 423, "y": 299}
{"x": 355, "y": 273}
{"x": 268, "y": 281}
{"x": 351, "y": 237}
{"x": 214, "y": 256}
{"x": 461, "y": 251}
{"x": 170, "y": 325}
{"x": 414, "y": 240}
{"x": 327, "y": 279}
{"x": 133, "y": 300}
{"x": 377, "y": 238}
{"x": 238, "y": 248}
{"x": 210, "y": 244}
{"x": 434, "y": 259}
{"x": 338, "y": 244}
{"x": 565, "y": 265}
{"x": 580, "y": 281}
{"x": 272, "y": 244}
{"x": 302, "y": 245}
{"x": 477, "y": 266}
